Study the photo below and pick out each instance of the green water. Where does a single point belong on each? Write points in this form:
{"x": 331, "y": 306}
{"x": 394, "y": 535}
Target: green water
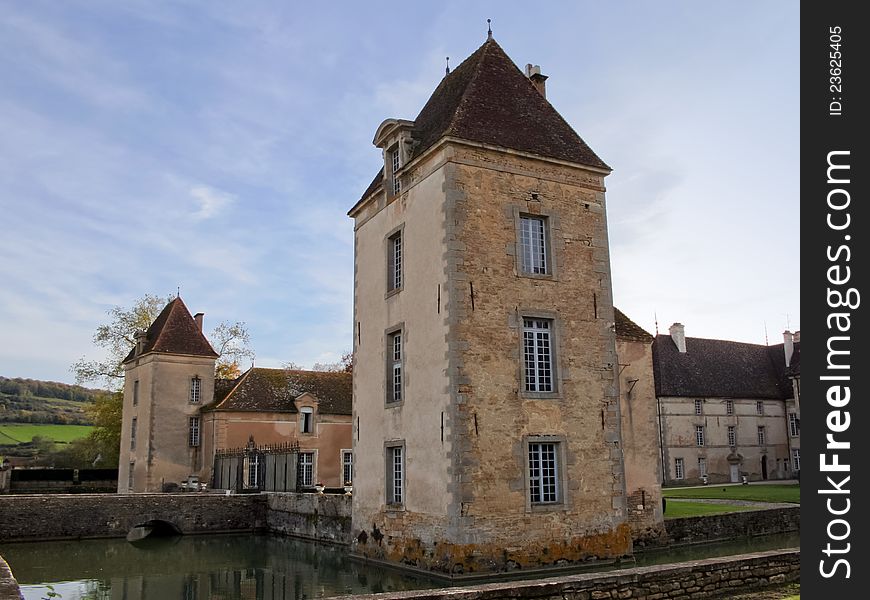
{"x": 245, "y": 566}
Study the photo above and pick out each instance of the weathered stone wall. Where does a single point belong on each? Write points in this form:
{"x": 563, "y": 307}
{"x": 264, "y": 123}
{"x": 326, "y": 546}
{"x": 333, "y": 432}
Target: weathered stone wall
{"x": 710, "y": 578}
{"x": 103, "y": 515}
{"x": 9, "y": 589}
{"x": 641, "y": 445}
{"x": 693, "y": 530}
{"x": 324, "y": 518}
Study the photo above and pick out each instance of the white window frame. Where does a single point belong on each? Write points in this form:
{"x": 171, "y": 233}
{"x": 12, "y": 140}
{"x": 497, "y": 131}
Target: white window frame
{"x": 133, "y": 425}
{"x": 702, "y": 466}
{"x": 539, "y": 355}
{"x": 762, "y": 435}
{"x": 306, "y": 420}
{"x": 395, "y": 378}
{"x": 544, "y": 473}
{"x": 699, "y": 407}
{"x": 195, "y": 390}
{"x": 729, "y": 407}
{"x": 252, "y": 477}
{"x": 396, "y": 492}
{"x": 347, "y": 466}
{"x": 194, "y": 431}
{"x": 679, "y": 469}
{"x": 699, "y": 436}
{"x": 794, "y": 429}
{"x": 732, "y": 436}
{"x": 759, "y": 407}
{"x": 796, "y": 459}
{"x": 534, "y": 245}
{"x": 306, "y": 469}
{"x": 395, "y": 165}
{"x": 395, "y": 261}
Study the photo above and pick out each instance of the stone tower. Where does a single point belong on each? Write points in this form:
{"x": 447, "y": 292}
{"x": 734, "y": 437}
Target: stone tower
{"x": 168, "y": 377}
{"x": 486, "y": 416}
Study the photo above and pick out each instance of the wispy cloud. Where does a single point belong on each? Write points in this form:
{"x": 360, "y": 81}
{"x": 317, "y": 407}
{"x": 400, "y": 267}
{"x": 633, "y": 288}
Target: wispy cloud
{"x": 210, "y": 202}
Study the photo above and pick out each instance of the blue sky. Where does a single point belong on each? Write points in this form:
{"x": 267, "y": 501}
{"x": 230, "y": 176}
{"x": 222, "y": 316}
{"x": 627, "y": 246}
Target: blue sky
{"x": 217, "y": 146}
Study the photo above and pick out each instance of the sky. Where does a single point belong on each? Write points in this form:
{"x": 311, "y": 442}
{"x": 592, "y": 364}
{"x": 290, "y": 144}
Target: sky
{"x": 215, "y": 147}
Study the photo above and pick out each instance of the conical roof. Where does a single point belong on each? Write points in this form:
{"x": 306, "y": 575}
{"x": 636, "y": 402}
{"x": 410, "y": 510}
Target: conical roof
{"x": 174, "y": 331}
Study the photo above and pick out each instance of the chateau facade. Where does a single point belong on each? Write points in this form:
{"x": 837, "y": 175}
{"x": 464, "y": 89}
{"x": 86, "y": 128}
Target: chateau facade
{"x": 486, "y": 404}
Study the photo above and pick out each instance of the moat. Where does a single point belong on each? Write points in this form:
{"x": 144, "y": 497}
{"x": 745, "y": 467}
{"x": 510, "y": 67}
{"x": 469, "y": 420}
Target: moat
{"x": 231, "y": 566}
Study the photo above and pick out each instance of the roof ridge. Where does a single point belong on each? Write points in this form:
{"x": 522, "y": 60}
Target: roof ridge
{"x": 484, "y": 48}
{"x": 235, "y": 387}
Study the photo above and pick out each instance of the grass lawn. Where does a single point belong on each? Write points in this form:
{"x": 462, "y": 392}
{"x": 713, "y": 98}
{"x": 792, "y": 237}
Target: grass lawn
{"x": 13, "y": 433}
{"x": 757, "y": 493}
{"x": 686, "y": 508}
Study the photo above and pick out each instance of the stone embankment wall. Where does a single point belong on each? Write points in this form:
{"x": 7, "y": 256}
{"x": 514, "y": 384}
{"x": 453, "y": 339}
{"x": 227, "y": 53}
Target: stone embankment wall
{"x": 694, "y": 530}
{"x": 323, "y": 518}
{"x": 710, "y": 578}
{"x": 9, "y": 589}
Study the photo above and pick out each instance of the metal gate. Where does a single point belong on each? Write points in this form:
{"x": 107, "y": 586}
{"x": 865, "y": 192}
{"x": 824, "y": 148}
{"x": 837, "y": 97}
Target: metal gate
{"x": 267, "y": 468}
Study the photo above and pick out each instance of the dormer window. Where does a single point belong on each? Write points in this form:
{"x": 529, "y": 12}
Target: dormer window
{"x": 306, "y": 420}
{"x": 395, "y": 163}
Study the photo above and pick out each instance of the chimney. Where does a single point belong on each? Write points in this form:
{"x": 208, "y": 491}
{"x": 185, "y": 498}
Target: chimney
{"x": 788, "y": 345}
{"x": 533, "y": 72}
{"x": 198, "y": 318}
{"x": 678, "y": 334}
{"x": 140, "y": 341}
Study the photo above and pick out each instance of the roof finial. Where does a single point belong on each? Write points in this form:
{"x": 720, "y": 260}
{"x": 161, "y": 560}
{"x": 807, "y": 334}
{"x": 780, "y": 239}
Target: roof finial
{"x": 447, "y": 70}
{"x": 489, "y": 29}
{"x": 178, "y": 292}
{"x": 656, "y": 317}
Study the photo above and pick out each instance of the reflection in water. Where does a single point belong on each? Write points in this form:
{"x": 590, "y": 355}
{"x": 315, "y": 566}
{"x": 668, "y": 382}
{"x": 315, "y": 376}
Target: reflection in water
{"x": 245, "y": 566}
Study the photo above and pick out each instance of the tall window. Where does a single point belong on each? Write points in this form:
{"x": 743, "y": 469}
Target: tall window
{"x": 533, "y": 245}
{"x": 729, "y": 407}
{"x": 796, "y": 459}
{"x": 130, "y": 476}
{"x": 395, "y": 164}
{"x": 702, "y": 467}
{"x": 394, "y": 261}
{"x": 794, "y": 429}
{"x": 133, "y": 424}
{"x": 679, "y": 470}
{"x": 699, "y": 435}
{"x": 759, "y": 407}
{"x": 395, "y": 474}
{"x": 732, "y": 436}
{"x": 253, "y": 470}
{"x": 543, "y": 473}
{"x": 394, "y": 367}
{"x": 306, "y": 420}
{"x": 699, "y": 407}
{"x": 193, "y": 431}
{"x": 135, "y": 392}
{"x": 538, "y": 355}
{"x": 347, "y": 466}
{"x": 761, "y": 436}
{"x": 306, "y": 468}
{"x": 195, "y": 389}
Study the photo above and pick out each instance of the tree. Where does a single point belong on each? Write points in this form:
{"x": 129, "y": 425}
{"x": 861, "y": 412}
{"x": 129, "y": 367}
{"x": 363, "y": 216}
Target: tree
{"x": 118, "y": 337}
{"x": 344, "y": 365}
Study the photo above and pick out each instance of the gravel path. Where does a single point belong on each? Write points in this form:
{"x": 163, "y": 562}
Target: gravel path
{"x": 735, "y": 502}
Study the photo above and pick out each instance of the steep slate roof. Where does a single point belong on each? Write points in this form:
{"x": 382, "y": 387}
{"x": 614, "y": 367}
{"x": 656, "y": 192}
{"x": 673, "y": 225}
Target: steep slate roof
{"x": 175, "y": 332}
{"x": 488, "y": 99}
{"x": 275, "y": 390}
{"x": 719, "y": 369}
{"x": 626, "y": 329}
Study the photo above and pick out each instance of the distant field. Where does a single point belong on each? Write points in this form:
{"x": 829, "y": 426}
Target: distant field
{"x": 756, "y": 493}
{"x": 14, "y": 433}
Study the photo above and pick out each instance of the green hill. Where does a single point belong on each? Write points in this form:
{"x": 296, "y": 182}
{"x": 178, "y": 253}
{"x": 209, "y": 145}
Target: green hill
{"x": 48, "y": 402}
